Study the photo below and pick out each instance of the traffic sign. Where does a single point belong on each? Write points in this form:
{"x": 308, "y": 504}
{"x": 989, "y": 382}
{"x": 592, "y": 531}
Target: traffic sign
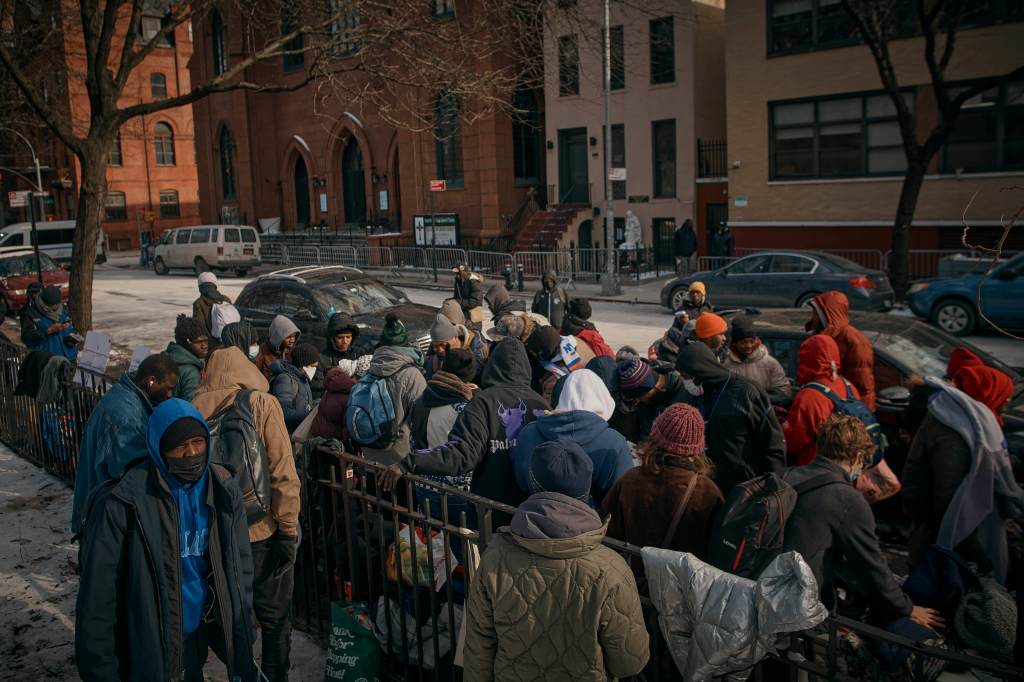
{"x": 18, "y": 199}
{"x": 438, "y": 185}
{"x": 617, "y": 174}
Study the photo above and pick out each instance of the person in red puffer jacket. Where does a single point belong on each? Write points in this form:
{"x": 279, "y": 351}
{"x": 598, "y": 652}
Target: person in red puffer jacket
{"x": 329, "y": 421}
{"x": 817, "y": 363}
{"x": 577, "y": 323}
{"x": 831, "y": 317}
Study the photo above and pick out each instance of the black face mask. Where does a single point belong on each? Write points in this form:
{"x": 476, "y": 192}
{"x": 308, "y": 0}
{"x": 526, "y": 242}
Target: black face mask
{"x": 187, "y": 470}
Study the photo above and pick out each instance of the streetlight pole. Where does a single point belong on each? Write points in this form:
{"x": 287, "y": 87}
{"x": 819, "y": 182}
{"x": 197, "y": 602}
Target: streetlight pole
{"x": 609, "y": 282}
{"x": 31, "y": 205}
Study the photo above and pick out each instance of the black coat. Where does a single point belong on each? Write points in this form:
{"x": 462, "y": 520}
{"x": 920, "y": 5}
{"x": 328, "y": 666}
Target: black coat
{"x": 329, "y": 356}
{"x": 743, "y": 435}
{"x": 469, "y": 292}
{"x": 551, "y": 300}
{"x": 834, "y": 530}
{"x": 685, "y": 241}
{"x": 129, "y": 612}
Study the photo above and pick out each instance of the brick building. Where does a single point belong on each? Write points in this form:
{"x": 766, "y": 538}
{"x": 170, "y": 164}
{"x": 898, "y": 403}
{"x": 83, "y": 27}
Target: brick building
{"x": 152, "y": 180}
{"x": 814, "y": 149}
{"x": 280, "y": 159}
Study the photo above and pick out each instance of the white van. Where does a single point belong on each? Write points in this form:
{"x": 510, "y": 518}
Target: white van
{"x": 55, "y": 238}
{"x": 208, "y": 247}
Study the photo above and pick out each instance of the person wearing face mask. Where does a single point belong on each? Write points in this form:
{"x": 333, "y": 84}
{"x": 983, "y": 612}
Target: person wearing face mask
{"x": 242, "y": 336}
{"x": 166, "y": 565}
{"x": 283, "y": 337}
{"x": 290, "y": 383}
{"x": 188, "y": 350}
{"x": 116, "y": 431}
{"x": 749, "y": 358}
{"x": 833, "y": 529}
{"x": 46, "y": 325}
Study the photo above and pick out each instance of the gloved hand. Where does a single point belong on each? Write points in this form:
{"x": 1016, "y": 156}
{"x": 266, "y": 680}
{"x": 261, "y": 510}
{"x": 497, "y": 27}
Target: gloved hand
{"x": 662, "y": 367}
{"x": 287, "y": 547}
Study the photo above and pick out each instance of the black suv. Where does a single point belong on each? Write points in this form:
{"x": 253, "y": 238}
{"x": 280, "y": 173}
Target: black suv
{"x": 309, "y": 295}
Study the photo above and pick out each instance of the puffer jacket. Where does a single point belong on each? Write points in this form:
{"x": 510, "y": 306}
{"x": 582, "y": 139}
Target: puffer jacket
{"x": 228, "y": 372}
{"x": 550, "y": 602}
{"x": 330, "y": 412}
{"x": 401, "y": 367}
{"x": 817, "y": 363}
{"x": 551, "y": 301}
{"x": 290, "y": 386}
{"x": 762, "y": 370}
{"x": 855, "y": 351}
{"x": 190, "y": 370}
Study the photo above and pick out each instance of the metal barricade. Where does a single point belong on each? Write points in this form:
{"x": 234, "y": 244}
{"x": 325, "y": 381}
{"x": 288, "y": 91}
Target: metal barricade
{"x": 272, "y": 252}
{"x": 301, "y": 255}
{"x": 589, "y": 264}
{"x": 923, "y": 263}
{"x": 408, "y": 257}
{"x": 446, "y": 257}
{"x": 535, "y": 263}
{"x": 489, "y": 262}
{"x": 339, "y": 255}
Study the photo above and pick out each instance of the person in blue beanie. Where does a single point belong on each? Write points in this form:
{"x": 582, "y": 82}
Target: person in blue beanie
{"x": 166, "y": 568}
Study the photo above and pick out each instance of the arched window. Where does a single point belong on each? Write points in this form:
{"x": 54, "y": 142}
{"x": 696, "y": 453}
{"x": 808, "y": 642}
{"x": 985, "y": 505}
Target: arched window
{"x": 220, "y": 53}
{"x": 526, "y": 137}
{"x": 158, "y": 85}
{"x": 227, "y": 164}
{"x": 448, "y": 138}
{"x": 163, "y": 142}
{"x": 300, "y": 185}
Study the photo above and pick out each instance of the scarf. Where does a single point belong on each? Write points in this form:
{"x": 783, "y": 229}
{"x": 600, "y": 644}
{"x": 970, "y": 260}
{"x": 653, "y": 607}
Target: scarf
{"x": 444, "y": 388}
{"x": 51, "y": 312}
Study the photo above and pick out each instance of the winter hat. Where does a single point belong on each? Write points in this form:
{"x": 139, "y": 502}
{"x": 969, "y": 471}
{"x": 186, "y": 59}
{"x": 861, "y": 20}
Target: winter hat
{"x": 988, "y": 386}
{"x": 507, "y": 325}
{"x": 207, "y": 278}
{"x": 580, "y": 307}
{"x": 584, "y": 390}
{"x": 50, "y": 295}
{"x": 188, "y": 329}
{"x": 709, "y": 324}
{"x": 443, "y": 330}
{"x": 742, "y": 328}
{"x": 394, "y": 332}
{"x": 451, "y": 309}
{"x": 636, "y": 376}
{"x": 679, "y": 430}
{"x": 544, "y": 342}
{"x": 362, "y": 365}
{"x": 626, "y": 353}
{"x": 697, "y": 286}
{"x": 497, "y": 296}
{"x": 342, "y": 323}
{"x": 180, "y": 431}
{"x": 960, "y": 358}
{"x": 560, "y": 466}
{"x": 305, "y": 355}
{"x": 461, "y": 363}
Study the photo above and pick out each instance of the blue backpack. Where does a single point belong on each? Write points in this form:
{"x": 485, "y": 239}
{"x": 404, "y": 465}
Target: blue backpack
{"x": 370, "y": 415}
{"x": 852, "y": 407}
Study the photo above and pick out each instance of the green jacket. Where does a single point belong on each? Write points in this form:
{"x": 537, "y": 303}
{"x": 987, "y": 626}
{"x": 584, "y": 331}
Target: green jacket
{"x": 562, "y": 608}
{"x": 190, "y": 370}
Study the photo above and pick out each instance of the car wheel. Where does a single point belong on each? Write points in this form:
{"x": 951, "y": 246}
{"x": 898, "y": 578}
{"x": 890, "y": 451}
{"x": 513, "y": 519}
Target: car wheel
{"x": 954, "y": 317}
{"x": 199, "y": 265}
{"x": 805, "y": 300}
{"x": 159, "y": 267}
{"x": 241, "y": 272}
{"x": 677, "y": 298}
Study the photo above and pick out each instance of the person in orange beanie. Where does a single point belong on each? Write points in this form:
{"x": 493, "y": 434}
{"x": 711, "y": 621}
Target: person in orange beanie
{"x": 710, "y": 331}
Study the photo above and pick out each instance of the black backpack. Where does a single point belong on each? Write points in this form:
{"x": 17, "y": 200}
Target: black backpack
{"x": 235, "y": 443}
{"x": 748, "y": 533}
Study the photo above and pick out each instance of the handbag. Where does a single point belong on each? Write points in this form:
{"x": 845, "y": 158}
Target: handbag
{"x": 877, "y": 483}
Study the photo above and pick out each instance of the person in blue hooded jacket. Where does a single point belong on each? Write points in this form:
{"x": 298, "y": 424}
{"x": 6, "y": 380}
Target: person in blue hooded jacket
{"x": 116, "y": 431}
{"x": 581, "y": 415}
{"x": 46, "y": 325}
{"x": 166, "y": 564}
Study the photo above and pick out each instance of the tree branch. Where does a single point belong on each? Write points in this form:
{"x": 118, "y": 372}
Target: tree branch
{"x": 57, "y": 124}
{"x": 131, "y": 59}
{"x": 996, "y": 252}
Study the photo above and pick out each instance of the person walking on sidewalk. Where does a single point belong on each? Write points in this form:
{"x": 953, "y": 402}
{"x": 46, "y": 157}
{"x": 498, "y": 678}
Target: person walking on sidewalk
{"x": 551, "y": 300}
{"x": 684, "y": 241}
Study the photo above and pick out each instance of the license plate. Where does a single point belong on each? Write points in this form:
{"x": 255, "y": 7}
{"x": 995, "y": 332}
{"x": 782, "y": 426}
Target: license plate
{"x": 247, "y": 251}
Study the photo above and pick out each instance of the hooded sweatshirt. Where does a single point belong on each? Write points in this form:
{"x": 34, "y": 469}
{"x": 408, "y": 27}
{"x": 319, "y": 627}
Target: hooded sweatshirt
{"x": 551, "y": 300}
{"x": 817, "y": 363}
{"x": 501, "y": 303}
{"x": 763, "y": 370}
{"x": 190, "y": 370}
{"x": 855, "y": 352}
{"x": 280, "y": 329}
{"x": 743, "y": 435}
{"x": 486, "y": 430}
{"x": 241, "y": 335}
{"x": 202, "y": 306}
{"x": 330, "y": 355}
{"x": 401, "y": 367}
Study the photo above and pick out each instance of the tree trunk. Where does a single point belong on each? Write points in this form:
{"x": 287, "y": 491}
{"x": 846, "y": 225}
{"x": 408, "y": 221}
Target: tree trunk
{"x": 91, "y": 207}
{"x": 899, "y": 271}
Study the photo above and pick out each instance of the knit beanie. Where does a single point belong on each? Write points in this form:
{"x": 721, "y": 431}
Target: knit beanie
{"x": 207, "y": 278}
{"x": 443, "y": 330}
{"x": 305, "y": 355}
{"x": 636, "y": 376}
{"x": 461, "y": 363}
{"x": 679, "y": 430}
{"x": 544, "y": 342}
{"x": 394, "y": 332}
{"x": 180, "y": 431}
{"x": 580, "y": 307}
{"x": 742, "y": 328}
{"x": 50, "y": 295}
{"x": 709, "y": 324}
{"x": 697, "y": 286}
{"x": 560, "y": 466}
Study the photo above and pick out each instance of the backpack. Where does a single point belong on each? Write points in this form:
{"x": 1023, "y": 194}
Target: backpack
{"x": 221, "y": 315}
{"x": 748, "y": 533}
{"x": 370, "y": 415}
{"x": 852, "y": 407}
{"x": 235, "y": 443}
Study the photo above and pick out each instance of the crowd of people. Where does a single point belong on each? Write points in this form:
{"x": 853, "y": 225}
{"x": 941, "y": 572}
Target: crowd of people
{"x": 187, "y": 497}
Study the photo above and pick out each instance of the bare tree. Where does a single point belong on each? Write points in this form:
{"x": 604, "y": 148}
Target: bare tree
{"x": 938, "y": 21}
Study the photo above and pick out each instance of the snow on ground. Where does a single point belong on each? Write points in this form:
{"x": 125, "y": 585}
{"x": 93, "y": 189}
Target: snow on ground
{"x": 39, "y": 583}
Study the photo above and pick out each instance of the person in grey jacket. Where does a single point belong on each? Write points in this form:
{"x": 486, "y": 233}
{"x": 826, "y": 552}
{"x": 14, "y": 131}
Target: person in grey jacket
{"x": 747, "y": 357}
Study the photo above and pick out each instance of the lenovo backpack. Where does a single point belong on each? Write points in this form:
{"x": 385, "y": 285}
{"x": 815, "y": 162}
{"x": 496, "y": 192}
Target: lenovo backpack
{"x": 235, "y": 442}
{"x": 370, "y": 415}
{"x": 748, "y": 533}
{"x": 852, "y": 407}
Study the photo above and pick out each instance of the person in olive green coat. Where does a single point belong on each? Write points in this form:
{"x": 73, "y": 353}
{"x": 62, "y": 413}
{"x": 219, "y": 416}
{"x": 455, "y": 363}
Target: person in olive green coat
{"x": 549, "y": 601}
{"x": 190, "y": 346}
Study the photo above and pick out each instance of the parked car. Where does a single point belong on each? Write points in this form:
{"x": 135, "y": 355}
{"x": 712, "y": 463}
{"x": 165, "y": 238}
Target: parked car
{"x": 55, "y": 239}
{"x": 310, "y": 295}
{"x": 18, "y": 271}
{"x": 208, "y": 247}
{"x": 950, "y": 303}
{"x": 784, "y": 279}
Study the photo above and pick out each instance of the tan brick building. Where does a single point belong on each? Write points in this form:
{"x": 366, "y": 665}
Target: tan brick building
{"x": 814, "y": 150}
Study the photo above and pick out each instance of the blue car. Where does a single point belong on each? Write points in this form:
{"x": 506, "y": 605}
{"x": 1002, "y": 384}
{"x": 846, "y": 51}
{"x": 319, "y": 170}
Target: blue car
{"x": 950, "y": 302}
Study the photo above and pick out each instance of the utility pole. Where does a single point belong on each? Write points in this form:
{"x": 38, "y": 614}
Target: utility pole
{"x": 38, "y": 194}
{"x": 610, "y": 281}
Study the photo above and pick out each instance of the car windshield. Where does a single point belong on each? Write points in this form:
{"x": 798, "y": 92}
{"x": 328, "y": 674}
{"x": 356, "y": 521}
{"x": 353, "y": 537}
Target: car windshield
{"x": 357, "y": 298}
{"x": 16, "y": 266}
